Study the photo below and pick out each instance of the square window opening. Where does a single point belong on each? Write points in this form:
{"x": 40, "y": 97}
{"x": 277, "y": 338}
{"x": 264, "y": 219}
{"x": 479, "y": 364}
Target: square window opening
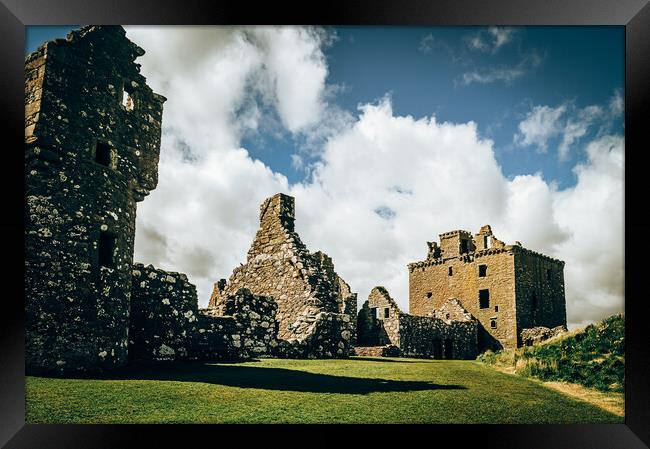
{"x": 482, "y": 271}
{"x": 450, "y": 272}
{"x": 429, "y": 294}
{"x": 493, "y": 324}
{"x": 463, "y": 246}
{"x": 386, "y": 312}
{"x": 496, "y": 308}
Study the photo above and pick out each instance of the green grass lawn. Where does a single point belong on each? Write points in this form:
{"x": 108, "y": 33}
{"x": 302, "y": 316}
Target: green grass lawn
{"x": 356, "y": 390}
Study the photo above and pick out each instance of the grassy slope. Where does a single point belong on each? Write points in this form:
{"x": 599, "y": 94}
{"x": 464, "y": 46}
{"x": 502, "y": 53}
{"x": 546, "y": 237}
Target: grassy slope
{"x": 357, "y": 390}
{"x": 593, "y": 357}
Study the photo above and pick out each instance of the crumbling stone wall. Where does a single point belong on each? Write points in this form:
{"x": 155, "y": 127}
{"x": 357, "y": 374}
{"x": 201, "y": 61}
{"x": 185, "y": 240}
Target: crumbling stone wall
{"x": 348, "y": 305}
{"x": 255, "y": 328}
{"x": 166, "y": 323}
{"x": 377, "y": 351}
{"x": 496, "y": 283}
{"x": 88, "y": 159}
{"x": 311, "y": 303}
{"x": 163, "y": 322}
{"x": 536, "y": 335}
{"x": 378, "y": 320}
{"x": 451, "y": 333}
{"x": 422, "y": 336}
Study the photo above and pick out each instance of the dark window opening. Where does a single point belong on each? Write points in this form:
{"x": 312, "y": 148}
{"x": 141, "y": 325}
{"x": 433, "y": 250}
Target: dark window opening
{"x": 496, "y": 308}
{"x": 549, "y": 274}
{"x": 450, "y": 272}
{"x": 463, "y": 246}
{"x": 534, "y": 301}
{"x": 484, "y": 298}
{"x": 106, "y": 248}
{"x": 386, "y": 312}
{"x": 103, "y": 154}
{"x": 493, "y": 324}
{"x": 482, "y": 271}
{"x": 486, "y": 242}
{"x": 429, "y": 294}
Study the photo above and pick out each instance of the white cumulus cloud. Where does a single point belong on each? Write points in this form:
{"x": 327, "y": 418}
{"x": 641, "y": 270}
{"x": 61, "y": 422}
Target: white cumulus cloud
{"x": 382, "y": 185}
{"x": 540, "y": 125}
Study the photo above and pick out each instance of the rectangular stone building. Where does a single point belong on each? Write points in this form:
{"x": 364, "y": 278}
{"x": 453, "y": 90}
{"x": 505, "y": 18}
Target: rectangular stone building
{"x": 507, "y": 288}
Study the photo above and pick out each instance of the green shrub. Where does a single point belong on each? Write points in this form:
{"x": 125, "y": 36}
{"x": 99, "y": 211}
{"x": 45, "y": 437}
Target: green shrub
{"x": 593, "y": 357}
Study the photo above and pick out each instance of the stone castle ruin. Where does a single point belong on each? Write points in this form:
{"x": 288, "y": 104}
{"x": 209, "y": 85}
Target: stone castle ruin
{"x": 507, "y": 288}
{"x": 92, "y": 143}
{"x": 489, "y": 295}
{"x": 92, "y": 138}
{"x": 385, "y": 330}
{"x": 316, "y": 310}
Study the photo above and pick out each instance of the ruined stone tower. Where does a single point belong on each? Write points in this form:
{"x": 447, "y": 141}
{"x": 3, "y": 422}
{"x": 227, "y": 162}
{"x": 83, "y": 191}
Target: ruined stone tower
{"x": 507, "y": 288}
{"x": 92, "y": 137}
{"x": 316, "y": 309}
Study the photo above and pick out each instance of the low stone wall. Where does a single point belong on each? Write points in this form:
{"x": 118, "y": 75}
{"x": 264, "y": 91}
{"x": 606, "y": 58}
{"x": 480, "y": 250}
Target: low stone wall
{"x": 432, "y": 337}
{"x": 536, "y": 335}
{"x": 214, "y": 337}
{"x": 163, "y": 320}
{"x": 256, "y": 327}
{"x": 325, "y": 335}
{"x": 377, "y": 351}
{"x": 167, "y": 325}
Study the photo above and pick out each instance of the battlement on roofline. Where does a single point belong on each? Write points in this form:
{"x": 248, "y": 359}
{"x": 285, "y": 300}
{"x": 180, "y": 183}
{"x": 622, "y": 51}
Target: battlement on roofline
{"x": 462, "y": 245}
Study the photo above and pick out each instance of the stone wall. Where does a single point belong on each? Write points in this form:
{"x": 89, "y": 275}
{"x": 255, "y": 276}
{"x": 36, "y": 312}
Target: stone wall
{"x": 539, "y": 334}
{"x": 88, "y": 160}
{"x": 324, "y": 335}
{"x": 378, "y": 320}
{"x": 377, "y": 351}
{"x": 451, "y": 333}
{"x": 422, "y": 336}
{"x": 166, "y": 323}
{"x": 247, "y": 328}
{"x": 508, "y": 275}
{"x": 540, "y": 291}
{"x": 312, "y": 300}
{"x": 164, "y": 315}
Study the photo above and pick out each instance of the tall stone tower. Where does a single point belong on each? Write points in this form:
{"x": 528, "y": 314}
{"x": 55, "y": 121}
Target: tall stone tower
{"x": 92, "y": 138}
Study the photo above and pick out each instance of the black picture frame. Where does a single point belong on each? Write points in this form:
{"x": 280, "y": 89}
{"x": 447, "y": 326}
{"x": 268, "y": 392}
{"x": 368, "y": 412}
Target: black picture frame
{"x": 634, "y": 15}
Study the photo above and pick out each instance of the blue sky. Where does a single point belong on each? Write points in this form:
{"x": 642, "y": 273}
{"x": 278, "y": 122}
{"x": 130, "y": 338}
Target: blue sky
{"x": 421, "y": 68}
{"x": 387, "y": 137}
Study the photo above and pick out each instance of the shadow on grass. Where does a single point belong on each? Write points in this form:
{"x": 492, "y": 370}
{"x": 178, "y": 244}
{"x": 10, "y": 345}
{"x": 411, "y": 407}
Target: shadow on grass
{"x": 281, "y": 379}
